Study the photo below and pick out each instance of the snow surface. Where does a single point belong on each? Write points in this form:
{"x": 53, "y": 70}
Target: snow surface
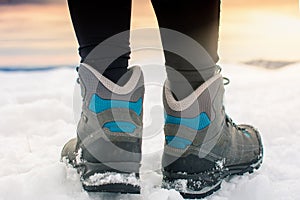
{"x": 37, "y": 118}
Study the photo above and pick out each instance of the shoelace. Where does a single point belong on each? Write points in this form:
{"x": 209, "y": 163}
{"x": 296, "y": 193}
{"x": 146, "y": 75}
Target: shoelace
{"x": 227, "y": 118}
{"x": 230, "y": 121}
{"x": 226, "y": 80}
{"x": 78, "y": 79}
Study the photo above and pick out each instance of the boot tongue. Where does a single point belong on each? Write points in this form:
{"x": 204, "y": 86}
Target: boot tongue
{"x": 184, "y": 82}
{"x": 125, "y": 78}
{"x": 181, "y": 90}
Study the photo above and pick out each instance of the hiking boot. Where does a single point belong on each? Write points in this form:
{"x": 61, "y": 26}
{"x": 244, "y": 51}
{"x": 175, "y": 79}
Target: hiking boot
{"x": 107, "y": 150}
{"x": 202, "y": 144}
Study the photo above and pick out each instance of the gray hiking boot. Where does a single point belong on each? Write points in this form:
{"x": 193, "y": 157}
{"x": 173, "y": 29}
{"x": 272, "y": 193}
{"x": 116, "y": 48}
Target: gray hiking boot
{"x": 202, "y": 144}
{"x": 107, "y": 150}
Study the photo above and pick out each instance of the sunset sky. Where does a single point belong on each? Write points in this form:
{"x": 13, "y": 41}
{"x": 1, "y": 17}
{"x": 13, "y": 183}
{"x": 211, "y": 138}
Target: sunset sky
{"x": 34, "y": 33}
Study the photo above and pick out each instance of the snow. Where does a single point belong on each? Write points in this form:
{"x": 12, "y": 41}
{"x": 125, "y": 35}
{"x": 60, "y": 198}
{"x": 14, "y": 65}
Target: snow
{"x": 39, "y": 110}
{"x": 112, "y": 178}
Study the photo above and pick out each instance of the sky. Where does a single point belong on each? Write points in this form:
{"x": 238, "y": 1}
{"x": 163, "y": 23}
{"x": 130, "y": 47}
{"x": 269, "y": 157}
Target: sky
{"x": 35, "y": 32}
{"x": 232, "y": 2}
{"x": 30, "y": 1}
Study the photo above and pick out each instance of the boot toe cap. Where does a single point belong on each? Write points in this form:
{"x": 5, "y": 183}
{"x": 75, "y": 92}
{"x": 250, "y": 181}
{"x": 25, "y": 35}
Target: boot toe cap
{"x": 254, "y": 135}
{"x": 68, "y": 150}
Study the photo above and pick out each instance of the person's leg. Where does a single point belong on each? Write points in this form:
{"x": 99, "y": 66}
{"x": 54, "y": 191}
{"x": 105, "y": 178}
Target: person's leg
{"x": 198, "y": 19}
{"x": 94, "y": 22}
{"x": 107, "y": 149}
{"x": 202, "y": 144}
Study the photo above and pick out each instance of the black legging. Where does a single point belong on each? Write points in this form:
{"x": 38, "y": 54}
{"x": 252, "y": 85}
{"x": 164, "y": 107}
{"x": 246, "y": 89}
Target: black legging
{"x": 198, "y": 19}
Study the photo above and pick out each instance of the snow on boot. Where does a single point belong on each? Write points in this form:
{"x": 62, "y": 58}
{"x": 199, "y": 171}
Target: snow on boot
{"x": 202, "y": 144}
{"x": 107, "y": 150}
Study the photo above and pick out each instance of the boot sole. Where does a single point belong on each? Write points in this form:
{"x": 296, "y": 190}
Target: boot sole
{"x": 113, "y": 182}
{"x": 98, "y": 177}
{"x": 192, "y": 186}
{"x": 114, "y": 188}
